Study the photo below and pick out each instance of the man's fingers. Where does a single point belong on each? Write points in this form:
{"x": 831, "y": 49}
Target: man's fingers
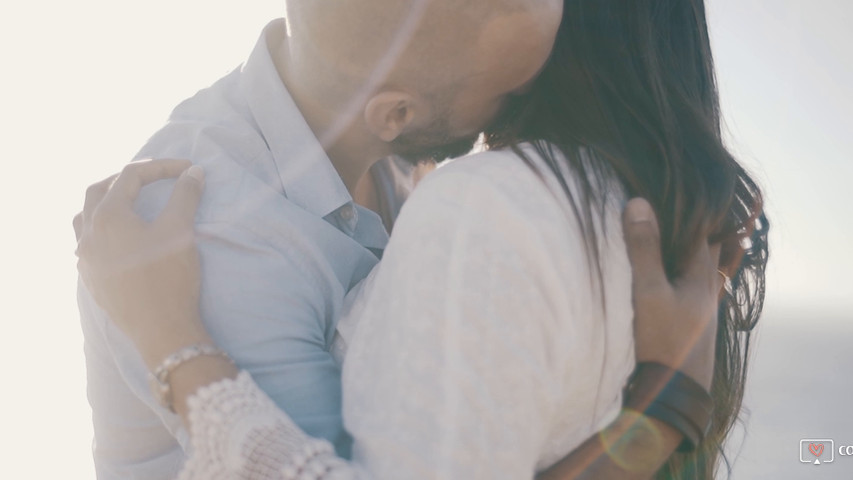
{"x": 704, "y": 263}
{"x": 642, "y": 237}
{"x": 719, "y": 278}
{"x": 714, "y": 250}
{"x": 136, "y": 175}
{"x": 187, "y": 194}
{"x": 699, "y": 266}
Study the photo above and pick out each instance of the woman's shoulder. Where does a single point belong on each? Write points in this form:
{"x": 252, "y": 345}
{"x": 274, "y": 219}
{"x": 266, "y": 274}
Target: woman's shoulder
{"x": 497, "y": 172}
{"x": 520, "y": 176}
{"x": 492, "y": 165}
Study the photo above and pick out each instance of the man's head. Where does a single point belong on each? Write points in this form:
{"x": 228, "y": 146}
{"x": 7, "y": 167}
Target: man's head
{"x": 420, "y": 77}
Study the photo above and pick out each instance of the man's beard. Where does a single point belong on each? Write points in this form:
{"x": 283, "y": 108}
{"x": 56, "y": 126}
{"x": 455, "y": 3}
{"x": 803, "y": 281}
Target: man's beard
{"x": 431, "y": 143}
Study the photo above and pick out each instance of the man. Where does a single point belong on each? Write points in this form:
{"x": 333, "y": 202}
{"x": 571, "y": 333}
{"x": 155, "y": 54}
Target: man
{"x": 284, "y": 142}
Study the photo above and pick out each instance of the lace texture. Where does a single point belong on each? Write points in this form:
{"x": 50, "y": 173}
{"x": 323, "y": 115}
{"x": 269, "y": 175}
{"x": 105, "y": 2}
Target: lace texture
{"x": 238, "y": 432}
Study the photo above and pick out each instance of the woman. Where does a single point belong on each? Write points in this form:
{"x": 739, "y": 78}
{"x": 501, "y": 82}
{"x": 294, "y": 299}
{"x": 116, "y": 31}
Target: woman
{"x": 626, "y": 107}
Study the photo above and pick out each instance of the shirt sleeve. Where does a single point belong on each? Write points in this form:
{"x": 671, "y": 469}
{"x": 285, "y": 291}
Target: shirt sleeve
{"x": 452, "y": 371}
{"x": 267, "y": 309}
{"x": 130, "y": 439}
{"x": 270, "y": 297}
{"x": 271, "y": 310}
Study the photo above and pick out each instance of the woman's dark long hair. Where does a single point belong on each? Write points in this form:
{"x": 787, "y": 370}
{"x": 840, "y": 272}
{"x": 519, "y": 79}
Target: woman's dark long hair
{"x": 631, "y": 83}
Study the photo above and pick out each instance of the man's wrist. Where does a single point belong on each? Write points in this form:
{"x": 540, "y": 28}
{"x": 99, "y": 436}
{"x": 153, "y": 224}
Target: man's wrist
{"x": 668, "y": 395}
{"x": 698, "y": 363}
{"x": 639, "y": 443}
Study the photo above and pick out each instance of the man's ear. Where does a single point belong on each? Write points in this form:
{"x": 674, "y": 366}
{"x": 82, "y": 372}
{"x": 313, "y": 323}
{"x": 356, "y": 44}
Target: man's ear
{"x": 389, "y": 113}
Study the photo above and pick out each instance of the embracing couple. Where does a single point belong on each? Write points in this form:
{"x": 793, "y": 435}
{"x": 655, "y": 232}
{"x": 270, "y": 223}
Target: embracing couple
{"x": 253, "y": 319}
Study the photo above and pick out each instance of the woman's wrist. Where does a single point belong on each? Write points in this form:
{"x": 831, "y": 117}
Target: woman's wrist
{"x": 154, "y": 345}
{"x": 198, "y": 372}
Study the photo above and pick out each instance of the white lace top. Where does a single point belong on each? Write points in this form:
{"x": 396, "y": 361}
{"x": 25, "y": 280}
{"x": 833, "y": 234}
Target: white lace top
{"x": 483, "y": 347}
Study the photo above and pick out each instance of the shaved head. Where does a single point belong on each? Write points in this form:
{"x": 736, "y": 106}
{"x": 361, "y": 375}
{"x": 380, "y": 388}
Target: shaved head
{"x": 418, "y": 78}
{"x": 421, "y": 44}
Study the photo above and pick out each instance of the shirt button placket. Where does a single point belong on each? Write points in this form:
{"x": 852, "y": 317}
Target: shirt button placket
{"x": 347, "y": 216}
{"x": 347, "y": 213}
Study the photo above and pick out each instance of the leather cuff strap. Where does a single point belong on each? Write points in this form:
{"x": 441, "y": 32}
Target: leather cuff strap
{"x": 673, "y": 398}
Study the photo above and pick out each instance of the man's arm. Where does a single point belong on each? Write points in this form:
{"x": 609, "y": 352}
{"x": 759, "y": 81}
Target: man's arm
{"x": 269, "y": 309}
{"x": 269, "y": 302}
{"x": 131, "y": 440}
{"x": 674, "y": 326}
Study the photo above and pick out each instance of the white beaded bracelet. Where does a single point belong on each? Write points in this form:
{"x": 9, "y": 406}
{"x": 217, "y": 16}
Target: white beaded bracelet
{"x": 159, "y": 379}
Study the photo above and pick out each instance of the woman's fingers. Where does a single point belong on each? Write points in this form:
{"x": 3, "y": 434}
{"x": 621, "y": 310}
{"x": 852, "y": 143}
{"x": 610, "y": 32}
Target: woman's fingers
{"x": 94, "y": 195}
{"x": 185, "y": 198}
{"x": 110, "y": 201}
{"x": 642, "y": 238}
{"x": 142, "y": 272}
{"x": 77, "y": 223}
{"x": 136, "y": 175}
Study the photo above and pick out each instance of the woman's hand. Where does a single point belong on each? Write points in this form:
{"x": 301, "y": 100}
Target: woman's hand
{"x": 145, "y": 275}
{"x": 674, "y": 323}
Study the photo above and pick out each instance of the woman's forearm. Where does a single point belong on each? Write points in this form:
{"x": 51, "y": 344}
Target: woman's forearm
{"x": 632, "y": 447}
{"x": 196, "y": 373}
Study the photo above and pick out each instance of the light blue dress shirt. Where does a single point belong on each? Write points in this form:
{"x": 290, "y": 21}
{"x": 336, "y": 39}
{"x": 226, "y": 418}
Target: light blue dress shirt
{"x": 281, "y": 243}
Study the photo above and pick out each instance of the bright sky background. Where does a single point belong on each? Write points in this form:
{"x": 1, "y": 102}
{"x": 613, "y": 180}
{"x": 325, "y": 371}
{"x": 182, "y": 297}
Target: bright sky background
{"x": 86, "y": 82}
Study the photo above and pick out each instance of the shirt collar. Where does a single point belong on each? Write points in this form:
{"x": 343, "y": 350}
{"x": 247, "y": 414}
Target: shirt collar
{"x": 307, "y": 176}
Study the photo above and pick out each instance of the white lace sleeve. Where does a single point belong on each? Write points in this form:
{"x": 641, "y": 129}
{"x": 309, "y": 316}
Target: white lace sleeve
{"x": 237, "y": 432}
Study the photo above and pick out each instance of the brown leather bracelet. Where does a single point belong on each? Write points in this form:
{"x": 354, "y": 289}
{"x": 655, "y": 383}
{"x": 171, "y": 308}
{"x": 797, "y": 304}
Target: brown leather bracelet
{"x": 673, "y": 398}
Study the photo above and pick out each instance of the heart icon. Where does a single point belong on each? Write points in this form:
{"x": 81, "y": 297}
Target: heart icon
{"x": 816, "y": 450}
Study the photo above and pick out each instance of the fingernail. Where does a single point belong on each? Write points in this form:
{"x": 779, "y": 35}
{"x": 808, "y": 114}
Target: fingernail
{"x": 639, "y": 212}
{"x": 196, "y": 172}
